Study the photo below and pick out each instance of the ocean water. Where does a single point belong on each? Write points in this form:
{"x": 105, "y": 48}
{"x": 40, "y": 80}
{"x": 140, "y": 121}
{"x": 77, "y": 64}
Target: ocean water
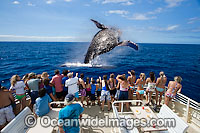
{"x": 174, "y": 59}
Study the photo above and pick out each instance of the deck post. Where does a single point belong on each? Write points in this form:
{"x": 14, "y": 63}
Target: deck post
{"x": 122, "y": 106}
{"x": 187, "y": 111}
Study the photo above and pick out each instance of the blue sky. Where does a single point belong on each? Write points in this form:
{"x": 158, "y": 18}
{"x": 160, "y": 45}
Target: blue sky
{"x": 142, "y": 21}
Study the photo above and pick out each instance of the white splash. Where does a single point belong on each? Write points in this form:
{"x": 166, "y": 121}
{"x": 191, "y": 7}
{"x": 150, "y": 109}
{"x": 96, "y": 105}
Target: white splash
{"x": 78, "y": 64}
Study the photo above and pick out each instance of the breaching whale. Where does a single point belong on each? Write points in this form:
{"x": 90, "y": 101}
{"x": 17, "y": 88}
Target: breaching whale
{"x": 104, "y": 41}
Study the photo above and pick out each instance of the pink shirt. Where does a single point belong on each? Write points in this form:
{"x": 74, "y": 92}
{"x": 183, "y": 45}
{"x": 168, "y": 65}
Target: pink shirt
{"x": 57, "y": 81}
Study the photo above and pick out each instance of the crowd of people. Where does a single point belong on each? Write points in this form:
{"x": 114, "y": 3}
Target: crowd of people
{"x": 43, "y": 90}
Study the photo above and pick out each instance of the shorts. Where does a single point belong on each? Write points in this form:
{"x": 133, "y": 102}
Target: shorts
{"x": 6, "y": 115}
{"x": 117, "y": 94}
{"x": 123, "y": 95}
{"x": 150, "y": 89}
{"x": 92, "y": 97}
{"x": 20, "y": 97}
{"x": 131, "y": 87}
{"x": 34, "y": 96}
{"x": 140, "y": 91}
{"x": 76, "y": 95}
{"x": 105, "y": 95}
{"x": 59, "y": 94}
{"x": 88, "y": 93}
{"x": 113, "y": 92}
{"x": 159, "y": 89}
{"x": 83, "y": 92}
{"x": 98, "y": 93}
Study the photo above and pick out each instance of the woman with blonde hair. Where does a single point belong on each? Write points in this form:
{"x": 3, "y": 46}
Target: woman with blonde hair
{"x": 18, "y": 86}
{"x": 160, "y": 86}
{"x": 173, "y": 87}
{"x": 140, "y": 89}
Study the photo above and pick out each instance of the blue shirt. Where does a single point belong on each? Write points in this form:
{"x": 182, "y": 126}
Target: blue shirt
{"x": 93, "y": 88}
{"x": 42, "y": 107}
{"x": 71, "y": 111}
{"x": 63, "y": 82}
{"x": 48, "y": 89}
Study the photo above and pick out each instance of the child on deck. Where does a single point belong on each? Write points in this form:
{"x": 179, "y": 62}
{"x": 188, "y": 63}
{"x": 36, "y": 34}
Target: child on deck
{"x": 42, "y": 105}
{"x": 93, "y": 89}
{"x": 48, "y": 88}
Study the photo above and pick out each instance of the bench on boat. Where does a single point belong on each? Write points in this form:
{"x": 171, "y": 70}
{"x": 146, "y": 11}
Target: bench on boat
{"x": 123, "y": 115}
{"x": 180, "y": 126}
{"x": 17, "y": 125}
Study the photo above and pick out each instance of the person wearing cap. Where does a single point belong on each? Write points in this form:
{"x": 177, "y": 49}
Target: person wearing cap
{"x": 70, "y": 113}
{"x": 72, "y": 84}
{"x": 57, "y": 83}
{"x": 160, "y": 86}
{"x": 33, "y": 85}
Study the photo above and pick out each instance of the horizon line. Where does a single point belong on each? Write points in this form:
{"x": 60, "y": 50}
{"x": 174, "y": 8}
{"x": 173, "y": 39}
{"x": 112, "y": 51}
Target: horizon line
{"x": 89, "y": 42}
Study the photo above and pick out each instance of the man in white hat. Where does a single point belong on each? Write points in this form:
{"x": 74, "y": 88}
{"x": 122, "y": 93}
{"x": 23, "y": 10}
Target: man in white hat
{"x": 72, "y": 84}
{"x": 69, "y": 115}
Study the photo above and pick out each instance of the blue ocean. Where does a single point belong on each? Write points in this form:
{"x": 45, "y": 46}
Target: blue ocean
{"x": 174, "y": 59}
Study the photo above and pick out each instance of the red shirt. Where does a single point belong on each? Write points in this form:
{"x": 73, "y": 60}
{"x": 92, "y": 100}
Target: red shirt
{"x": 57, "y": 82}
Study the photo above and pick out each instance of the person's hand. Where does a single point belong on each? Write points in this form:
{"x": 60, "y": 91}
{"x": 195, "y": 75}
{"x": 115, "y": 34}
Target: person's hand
{"x": 76, "y": 74}
{"x": 61, "y": 130}
{"x": 129, "y": 72}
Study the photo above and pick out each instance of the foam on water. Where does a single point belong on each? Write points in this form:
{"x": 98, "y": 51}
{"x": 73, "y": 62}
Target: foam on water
{"x": 78, "y": 64}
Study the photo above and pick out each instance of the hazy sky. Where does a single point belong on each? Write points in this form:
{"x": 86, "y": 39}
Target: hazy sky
{"x": 144, "y": 21}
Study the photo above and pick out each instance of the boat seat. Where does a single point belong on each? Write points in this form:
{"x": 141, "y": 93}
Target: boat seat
{"x": 123, "y": 129}
{"x": 180, "y": 126}
{"x": 17, "y": 125}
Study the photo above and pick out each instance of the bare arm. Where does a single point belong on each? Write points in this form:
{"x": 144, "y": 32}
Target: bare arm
{"x": 11, "y": 97}
{"x": 118, "y": 79}
{"x": 157, "y": 82}
{"x": 76, "y": 74}
{"x": 179, "y": 90}
{"x": 52, "y": 97}
{"x": 137, "y": 81}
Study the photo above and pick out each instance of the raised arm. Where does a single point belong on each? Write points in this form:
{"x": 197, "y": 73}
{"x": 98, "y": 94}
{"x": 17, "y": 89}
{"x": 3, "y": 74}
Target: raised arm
{"x": 118, "y": 79}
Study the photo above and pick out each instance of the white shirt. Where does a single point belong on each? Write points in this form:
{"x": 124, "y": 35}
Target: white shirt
{"x": 72, "y": 85}
{"x": 19, "y": 87}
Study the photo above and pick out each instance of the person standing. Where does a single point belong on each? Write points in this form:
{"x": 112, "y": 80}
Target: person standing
{"x": 57, "y": 83}
{"x": 19, "y": 87}
{"x": 65, "y": 89}
{"x": 123, "y": 95}
{"x": 140, "y": 90}
{"x": 82, "y": 88}
{"x": 112, "y": 84}
{"x": 173, "y": 87}
{"x": 105, "y": 93}
{"x": 151, "y": 82}
{"x": 131, "y": 80}
{"x": 72, "y": 84}
{"x": 160, "y": 87}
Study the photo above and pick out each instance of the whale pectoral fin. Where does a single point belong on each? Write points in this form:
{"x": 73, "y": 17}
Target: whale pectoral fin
{"x": 128, "y": 43}
{"x": 99, "y": 25}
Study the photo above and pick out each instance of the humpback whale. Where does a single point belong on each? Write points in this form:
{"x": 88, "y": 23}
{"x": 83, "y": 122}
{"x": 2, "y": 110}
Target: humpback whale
{"x": 104, "y": 41}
